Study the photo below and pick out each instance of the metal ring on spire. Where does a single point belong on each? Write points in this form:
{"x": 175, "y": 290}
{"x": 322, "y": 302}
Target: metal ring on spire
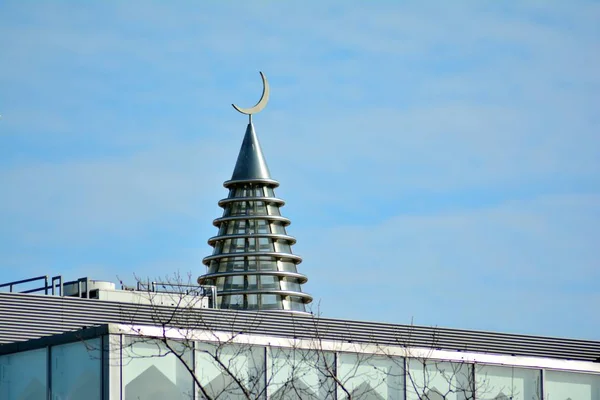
{"x": 261, "y": 103}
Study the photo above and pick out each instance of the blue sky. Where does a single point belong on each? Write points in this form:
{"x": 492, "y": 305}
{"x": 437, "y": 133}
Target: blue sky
{"x": 440, "y": 160}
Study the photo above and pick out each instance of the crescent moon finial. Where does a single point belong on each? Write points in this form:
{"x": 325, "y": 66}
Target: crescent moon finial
{"x": 261, "y": 103}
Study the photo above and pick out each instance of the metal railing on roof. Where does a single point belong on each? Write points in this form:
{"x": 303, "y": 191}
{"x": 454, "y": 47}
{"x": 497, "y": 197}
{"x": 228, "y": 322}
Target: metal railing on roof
{"x": 53, "y": 286}
{"x": 179, "y": 288}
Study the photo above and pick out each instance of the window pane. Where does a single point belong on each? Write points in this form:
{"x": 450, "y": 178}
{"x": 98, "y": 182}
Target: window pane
{"x": 296, "y": 304}
{"x": 271, "y": 302}
{"x": 290, "y": 284}
{"x": 260, "y": 208}
{"x": 265, "y": 244}
{"x": 283, "y": 247}
{"x": 432, "y": 380}
{"x": 233, "y": 302}
{"x": 262, "y": 226}
{"x": 23, "y": 375}
{"x": 152, "y": 372}
{"x": 76, "y": 370}
{"x": 494, "y": 382}
{"x": 237, "y": 264}
{"x": 237, "y": 208}
{"x": 226, "y": 246}
{"x": 237, "y": 245}
{"x": 236, "y": 227}
{"x": 367, "y": 376}
{"x": 217, "y": 365}
{"x": 277, "y": 227}
{"x": 300, "y": 374}
{"x": 268, "y": 264}
{"x": 237, "y": 283}
{"x": 568, "y": 385}
{"x": 273, "y": 209}
{"x": 252, "y": 301}
{"x": 269, "y": 282}
{"x": 287, "y": 266}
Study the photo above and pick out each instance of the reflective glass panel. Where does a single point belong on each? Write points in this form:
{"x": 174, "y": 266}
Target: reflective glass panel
{"x": 290, "y": 284}
{"x": 260, "y": 208}
{"x": 432, "y": 380}
{"x": 287, "y": 266}
{"x": 252, "y": 264}
{"x": 23, "y": 375}
{"x": 236, "y": 227}
{"x": 269, "y": 282}
{"x": 283, "y": 247}
{"x": 560, "y": 385}
{"x": 271, "y": 302}
{"x": 296, "y": 304}
{"x": 268, "y": 264}
{"x": 152, "y": 372}
{"x": 265, "y": 244}
{"x": 296, "y": 374}
{"x": 252, "y": 282}
{"x": 237, "y": 208}
{"x": 218, "y": 364}
{"x": 252, "y": 301}
{"x": 237, "y": 283}
{"x": 237, "y": 264}
{"x": 233, "y": 302}
{"x": 262, "y": 226}
{"x": 76, "y": 370}
{"x": 226, "y": 246}
{"x": 238, "y": 245}
{"x": 368, "y": 376}
{"x": 273, "y": 210}
{"x": 277, "y": 227}
{"x": 251, "y": 225}
{"x": 492, "y": 382}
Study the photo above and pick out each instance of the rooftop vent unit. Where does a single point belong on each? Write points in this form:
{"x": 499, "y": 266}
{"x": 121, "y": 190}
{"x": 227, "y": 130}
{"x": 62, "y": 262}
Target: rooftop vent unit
{"x": 153, "y": 293}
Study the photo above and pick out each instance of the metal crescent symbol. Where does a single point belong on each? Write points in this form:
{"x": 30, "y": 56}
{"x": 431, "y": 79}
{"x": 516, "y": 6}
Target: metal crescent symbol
{"x": 261, "y": 103}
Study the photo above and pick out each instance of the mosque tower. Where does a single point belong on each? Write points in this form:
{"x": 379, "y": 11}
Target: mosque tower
{"x": 252, "y": 264}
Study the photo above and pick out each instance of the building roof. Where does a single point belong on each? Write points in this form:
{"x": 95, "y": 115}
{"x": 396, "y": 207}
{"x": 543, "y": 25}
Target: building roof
{"x": 26, "y": 316}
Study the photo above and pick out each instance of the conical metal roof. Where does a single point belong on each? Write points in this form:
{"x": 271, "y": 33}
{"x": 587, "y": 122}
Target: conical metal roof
{"x": 251, "y": 162}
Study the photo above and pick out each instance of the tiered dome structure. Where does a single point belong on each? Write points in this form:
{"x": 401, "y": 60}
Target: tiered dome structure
{"x": 252, "y": 264}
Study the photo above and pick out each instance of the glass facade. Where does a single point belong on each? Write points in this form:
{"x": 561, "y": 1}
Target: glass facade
{"x": 560, "y": 385}
{"x": 24, "y": 375}
{"x": 433, "y": 380}
{"x": 145, "y": 368}
{"x": 151, "y": 371}
{"x": 295, "y": 374}
{"x": 230, "y": 371}
{"x": 368, "y": 376}
{"x": 252, "y": 264}
{"x": 77, "y": 370}
{"x": 507, "y": 383}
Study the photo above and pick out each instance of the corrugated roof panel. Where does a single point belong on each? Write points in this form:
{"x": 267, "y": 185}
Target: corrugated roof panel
{"x": 27, "y": 316}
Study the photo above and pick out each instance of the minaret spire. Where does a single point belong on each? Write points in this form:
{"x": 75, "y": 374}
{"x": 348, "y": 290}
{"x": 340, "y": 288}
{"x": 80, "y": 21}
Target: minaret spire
{"x": 251, "y": 163}
{"x": 252, "y": 264}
